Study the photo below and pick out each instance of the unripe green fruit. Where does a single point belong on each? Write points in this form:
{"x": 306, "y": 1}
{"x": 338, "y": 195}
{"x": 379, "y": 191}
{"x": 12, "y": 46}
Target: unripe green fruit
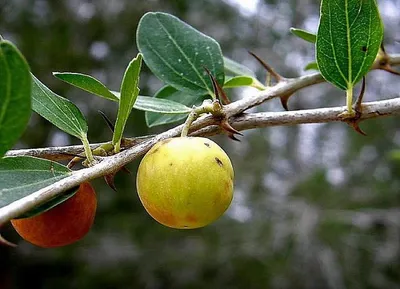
{"x": 185, "y": 182}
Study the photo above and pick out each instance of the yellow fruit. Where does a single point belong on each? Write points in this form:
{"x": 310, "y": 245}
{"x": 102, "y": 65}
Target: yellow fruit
{"x": 185, "y": 182}
{"x": 62, "y": 225}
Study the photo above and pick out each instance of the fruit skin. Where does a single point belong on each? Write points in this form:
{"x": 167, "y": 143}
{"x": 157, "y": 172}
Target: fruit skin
{"x": 185, "y": 182}
{"x": 62, "y": 225}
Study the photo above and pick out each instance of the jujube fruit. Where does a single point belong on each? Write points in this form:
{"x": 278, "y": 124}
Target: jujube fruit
{"x": 185, "y": 182}
{"x": 62, "y": 225}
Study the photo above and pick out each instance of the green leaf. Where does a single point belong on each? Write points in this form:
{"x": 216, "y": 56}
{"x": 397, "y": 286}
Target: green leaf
{"x": 304, "y": 34}
{"x": 311, "y": 66}
{"x": 349, "y": 35}
{"x": 158, "y": 105}
{"x": 145, "y": 103}
{"x": 234, "y": 68}
{"x": 15, "y": 95}
{"x": 238, "y": 81}
{"x": 243, "y": 80}
{"x": 24, "y": 175}
{"x": 171, "y": 94}
{"x": 129, "y": 93}
{"x": 87, "y": 83}
{"x": 58, "y": 110}
{"x": 177, "y": 53}
{"x": 148, "y": 103}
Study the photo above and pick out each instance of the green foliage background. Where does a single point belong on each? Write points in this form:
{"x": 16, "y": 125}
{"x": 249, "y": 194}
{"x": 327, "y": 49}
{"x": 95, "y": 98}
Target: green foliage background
{"x": 316, "y": 206}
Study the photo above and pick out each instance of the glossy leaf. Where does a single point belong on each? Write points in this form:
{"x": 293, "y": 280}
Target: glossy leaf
{"x": 158, "y": 105}
{"x": 177, "y": 53}
{"x": 145, "y": 103}
{"x": 24, "y": 175}
{"x": 87, "y": 83}
{"x": 349, "y": 36}
{"x": 311, "y": 66}
{"x": 234, "y": 68}
{"x": 238, "y": 81}
{"x": 171, "y": 94}
{"x": 243, "y": 80}
{"x": 15, "y": 95}
{"x": 128, "y": 95}
{"x": 304, "y": 34}
{"x": 58, "y": 110}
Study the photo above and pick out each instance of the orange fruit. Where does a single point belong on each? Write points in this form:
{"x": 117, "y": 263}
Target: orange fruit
{"x": 185, "y": 182}
{"x": 62, "y": 225}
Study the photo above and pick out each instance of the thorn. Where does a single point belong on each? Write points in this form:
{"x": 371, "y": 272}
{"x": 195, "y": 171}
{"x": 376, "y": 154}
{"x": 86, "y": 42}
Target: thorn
{"x": 383, "y": 48}
{"x": 107, "y": 120}
{"x": 218, "y": 90}
{"x": 6, "y": 243}
{"x": 125, "y": 170}
{"x": 284, "y": 100}
{"x": 389, "y": 69}
{"x": 384, "y": 62}
{"x": 226, "y": 126}
{"x": 230, "y": 130}
{"x": 110, "y": 181}
{"x": 74, "y": 161}
{"x": 358, "y": 103}
{"x": 358, "y": 129}
{"x": 270, "y": 70}
{"x": 355, "y": 124}
{"x": 224, "y": 97}
{"x": 233, "y": 137}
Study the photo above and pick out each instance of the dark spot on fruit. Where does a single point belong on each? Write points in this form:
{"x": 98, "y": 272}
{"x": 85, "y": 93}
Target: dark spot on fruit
{"x": 364, "y": 48}
{"x": 219, "y": 162}
{"x": 170, "y": 164}
{"x": 207, "y": 144}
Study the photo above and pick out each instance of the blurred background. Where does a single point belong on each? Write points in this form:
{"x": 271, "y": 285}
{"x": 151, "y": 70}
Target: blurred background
{"x": 315, "y": 206}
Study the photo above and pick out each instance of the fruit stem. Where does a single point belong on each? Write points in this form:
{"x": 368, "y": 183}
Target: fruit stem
{"x": 191, "y": 118}
{"x": 88, "y": 151}
{"x": 208, "y": 106}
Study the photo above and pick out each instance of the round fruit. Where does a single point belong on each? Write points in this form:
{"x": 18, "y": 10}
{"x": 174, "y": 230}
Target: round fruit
{"x": 62, "y": 225}
{"x": 185, "y": 182}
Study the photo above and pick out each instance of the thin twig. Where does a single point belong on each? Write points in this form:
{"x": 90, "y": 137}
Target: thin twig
{"x": 68, "y": 152}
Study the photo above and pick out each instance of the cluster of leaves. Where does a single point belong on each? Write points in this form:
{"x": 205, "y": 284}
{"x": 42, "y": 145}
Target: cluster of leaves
{"x": 178, "y": 55}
